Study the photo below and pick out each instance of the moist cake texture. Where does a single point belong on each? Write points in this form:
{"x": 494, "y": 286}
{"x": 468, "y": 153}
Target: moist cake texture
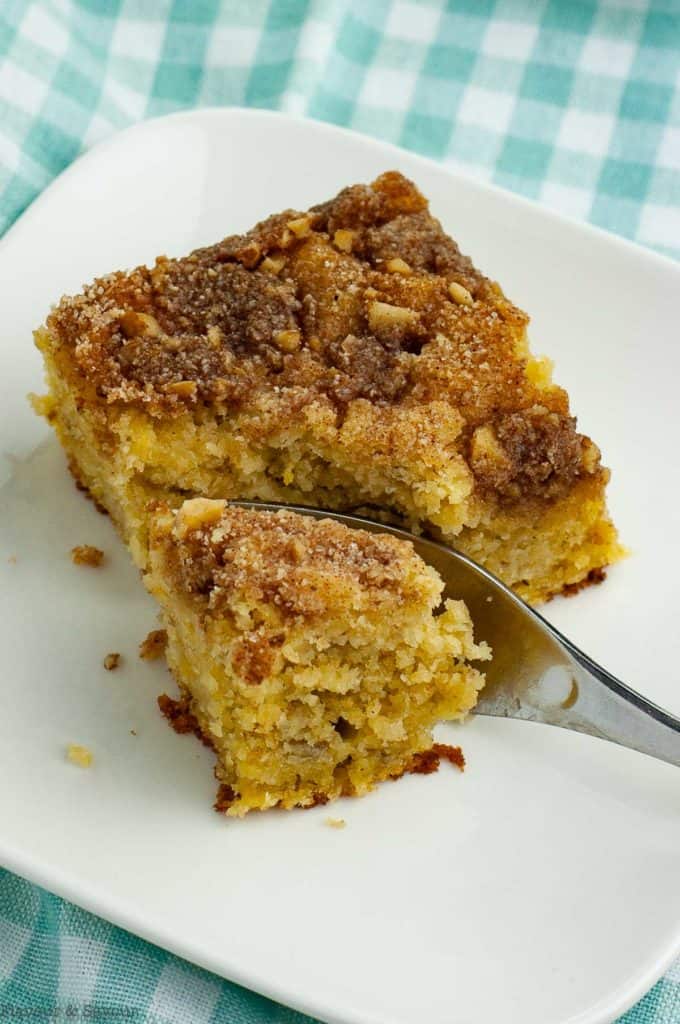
{"x": 348, "y": 357}
{"x": 309, "y": 653}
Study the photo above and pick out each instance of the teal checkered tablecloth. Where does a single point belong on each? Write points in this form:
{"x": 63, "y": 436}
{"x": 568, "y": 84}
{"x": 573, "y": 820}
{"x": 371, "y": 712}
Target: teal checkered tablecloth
{"x": 575, "y": 103}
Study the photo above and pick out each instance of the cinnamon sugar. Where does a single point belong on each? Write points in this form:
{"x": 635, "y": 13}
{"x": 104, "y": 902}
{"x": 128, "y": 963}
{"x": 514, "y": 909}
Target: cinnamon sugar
{"x": 293, "y": 562}
{"x": 282, "y": 319}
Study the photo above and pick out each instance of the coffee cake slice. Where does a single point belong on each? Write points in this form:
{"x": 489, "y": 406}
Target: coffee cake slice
{"x": 309, "y": 653}
{"x": 346, "y": 357}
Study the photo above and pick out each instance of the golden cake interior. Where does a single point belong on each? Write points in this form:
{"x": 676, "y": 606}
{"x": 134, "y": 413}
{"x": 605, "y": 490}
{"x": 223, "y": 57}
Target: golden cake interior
{"x": 310, "y": 653}
{"x": 348, "y": 357}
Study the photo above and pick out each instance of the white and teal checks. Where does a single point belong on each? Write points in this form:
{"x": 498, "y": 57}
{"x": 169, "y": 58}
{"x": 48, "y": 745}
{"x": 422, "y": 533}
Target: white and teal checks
{"x": 573, "y": 102}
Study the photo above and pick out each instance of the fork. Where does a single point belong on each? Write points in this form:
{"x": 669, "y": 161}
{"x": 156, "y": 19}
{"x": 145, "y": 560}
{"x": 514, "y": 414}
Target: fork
{"x": 536, "y": 674}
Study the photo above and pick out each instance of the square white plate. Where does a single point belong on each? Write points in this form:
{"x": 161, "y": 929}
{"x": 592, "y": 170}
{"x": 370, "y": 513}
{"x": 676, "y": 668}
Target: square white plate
{"x": 541, "y": 887}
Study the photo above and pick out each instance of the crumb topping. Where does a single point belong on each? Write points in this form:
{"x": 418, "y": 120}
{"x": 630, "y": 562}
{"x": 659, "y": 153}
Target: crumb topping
{"x": 86, "y": 554}
{"x": 364, "y": 297}
{"x": 300, "y": 565}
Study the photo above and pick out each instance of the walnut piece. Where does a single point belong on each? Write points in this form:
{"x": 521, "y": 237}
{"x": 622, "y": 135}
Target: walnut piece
{"x": 460, "y": 295}
{"x": 398, "y": 266}
{"x": 198, "y": 512}
{"x": 183, "y": 388}
{"x": 273, "y": 264}
{"x": 383, "y": 317}
{"x": 288, "y": 341}
{"x": 343, "y": 239}
{"x": 300, "y": 227}
{"x": 139, "y": 325}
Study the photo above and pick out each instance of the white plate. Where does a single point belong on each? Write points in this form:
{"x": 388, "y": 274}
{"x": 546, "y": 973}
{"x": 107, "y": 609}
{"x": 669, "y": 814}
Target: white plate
{"x": 541, "y": 887}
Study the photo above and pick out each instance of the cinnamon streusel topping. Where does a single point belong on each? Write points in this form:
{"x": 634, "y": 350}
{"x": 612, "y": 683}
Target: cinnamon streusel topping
{"x": 363, "y": 297}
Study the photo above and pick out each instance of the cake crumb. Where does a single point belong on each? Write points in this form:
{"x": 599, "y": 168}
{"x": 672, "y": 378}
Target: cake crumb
{"x": 335, "y": 822}
{"x": 86, "y": 554}
{"x": 112, "y": 661}
{"x": 79, "y": 755}
{"x": 224, "y": 799}
{"x": 12, "y": 559}
{"x": 153, "y": 645}
{"x": 133, "y": 732}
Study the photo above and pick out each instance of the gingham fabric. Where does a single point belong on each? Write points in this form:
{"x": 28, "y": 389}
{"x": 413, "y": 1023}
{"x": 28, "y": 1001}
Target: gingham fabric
{"x": 573, "y": 102}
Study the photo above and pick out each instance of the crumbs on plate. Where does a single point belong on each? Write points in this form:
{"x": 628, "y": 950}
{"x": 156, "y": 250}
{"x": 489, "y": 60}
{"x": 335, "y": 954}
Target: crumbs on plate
{"x": 79, "y": 755}
{"x": 153, "y": 645}
{"x": 86, "y": 554}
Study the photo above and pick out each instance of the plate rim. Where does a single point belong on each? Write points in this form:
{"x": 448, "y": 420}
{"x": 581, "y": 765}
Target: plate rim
{"x": 54, "y": 879}
{"x": 262, "y": 113}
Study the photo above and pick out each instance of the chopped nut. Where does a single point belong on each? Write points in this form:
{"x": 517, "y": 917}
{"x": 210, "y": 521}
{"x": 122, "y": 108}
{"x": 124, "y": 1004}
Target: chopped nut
{"x": 300, "y": 227}
{"x": 273, "y": 264}
{"x": 343, "y": 239}
{"x": 335, "y": 822}
{"x": 135, "y": 325}
{"x": 382, "y": 316}
{"x": 112, "y": 661}
{"x": 86, "y": 554}
{"x": 297, "y": 549}
{"x": 214, "y": 335}
{"x": 460, "y": 295}
{"x": 158, "y": 272}
{"x": 398, "y": 266}
{"x": 485, "y": 445}
{"x": 153, "y": 645}
{"x": 249, "y": 255}
{"x": 79, "y": 755}
{"x": 590, "y": 457}
{"x": 288, "y": 341}
{"x": 198, "y": 512}
{"x": 183, "y": 388}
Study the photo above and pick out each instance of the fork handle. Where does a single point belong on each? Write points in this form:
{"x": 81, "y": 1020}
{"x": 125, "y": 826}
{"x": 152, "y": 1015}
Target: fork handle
{"x": 603, "y": 706}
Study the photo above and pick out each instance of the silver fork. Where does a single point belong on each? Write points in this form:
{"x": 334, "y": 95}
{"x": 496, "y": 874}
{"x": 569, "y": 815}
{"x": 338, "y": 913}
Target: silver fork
{"x": 536, "y": 674}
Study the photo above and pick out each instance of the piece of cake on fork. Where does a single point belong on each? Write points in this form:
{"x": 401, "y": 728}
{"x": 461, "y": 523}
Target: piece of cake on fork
{"x": 346, "y": 357}
{"x": 308, "y": 653}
